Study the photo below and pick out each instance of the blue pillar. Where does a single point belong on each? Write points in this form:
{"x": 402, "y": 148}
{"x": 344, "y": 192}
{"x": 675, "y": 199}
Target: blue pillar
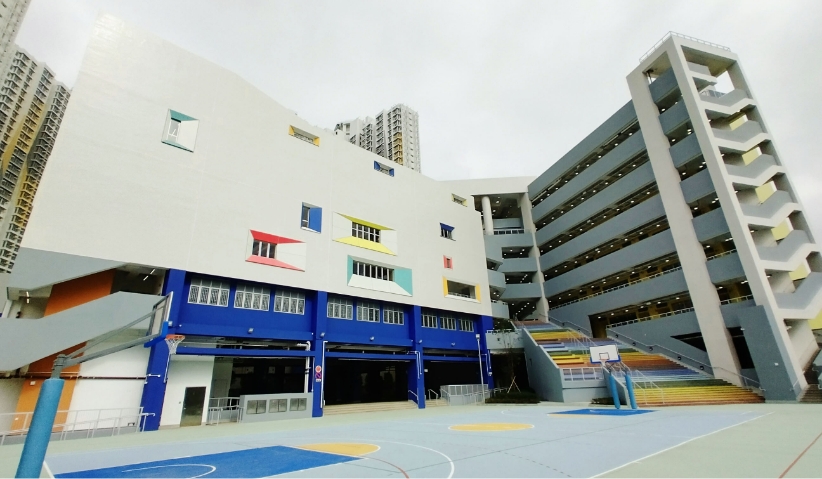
{"x": 42, "y": 422}
{"x": 629, "y": 383}
{"x": 319, "y": 324}
{"x": 416, "y": 368}
{"x": 612, "y": 385}
{"x": 154, "y": 390}
{"x": 486, "y": 323}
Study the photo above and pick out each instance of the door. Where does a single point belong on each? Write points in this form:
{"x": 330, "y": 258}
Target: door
{"x": 193, "y": 403}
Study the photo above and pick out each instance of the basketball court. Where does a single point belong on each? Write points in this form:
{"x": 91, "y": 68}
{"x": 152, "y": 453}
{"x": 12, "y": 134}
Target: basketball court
{"x": 478, "y": 441}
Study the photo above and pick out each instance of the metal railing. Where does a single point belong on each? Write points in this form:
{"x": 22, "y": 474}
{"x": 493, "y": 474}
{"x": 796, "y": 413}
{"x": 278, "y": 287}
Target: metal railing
{"x": 430, "y": 392}
{"x": 217, "y": 415}
{"x": 75, "y": 424}
{"x": 582, "y": 374}
{"x": 653, "y": 316}
{"x": 416, "y": 398}
{"x": 640, "y": 381}
{"x": 712, "y": 93}
{"x": 697, "y": 366}
{"x": 630, "y": 283}
{"x": 670, "y": 34}
{"x": 738, "y": 299}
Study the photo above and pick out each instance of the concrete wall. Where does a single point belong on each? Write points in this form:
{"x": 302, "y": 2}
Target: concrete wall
{"x": 185, "y": 372}
{"x": 543, "y": 375}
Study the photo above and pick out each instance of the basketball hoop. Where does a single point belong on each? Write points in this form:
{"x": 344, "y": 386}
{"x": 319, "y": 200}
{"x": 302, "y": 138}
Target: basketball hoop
{"x": 173, "y": 340}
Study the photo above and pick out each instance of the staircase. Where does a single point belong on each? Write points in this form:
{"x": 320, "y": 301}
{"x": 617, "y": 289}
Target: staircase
{"x": 368, "y": 407}
{"x": 435, "y": 403}
{"x": 658, "y": 380}
{"x": 812, "y": 393}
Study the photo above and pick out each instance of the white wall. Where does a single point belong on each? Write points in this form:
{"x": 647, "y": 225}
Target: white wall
{"x": 106, "y": 394}
{"x": 184, "y": 372}
{"x": 162, "y": 206}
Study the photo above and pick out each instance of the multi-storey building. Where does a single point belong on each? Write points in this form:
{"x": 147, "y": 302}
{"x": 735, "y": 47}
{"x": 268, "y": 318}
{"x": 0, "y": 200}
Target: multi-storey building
{"x": 12, "y": 13}
{"x": 672, "y": 225}
{"x": 273, "y": 261}
{"x": 393, "y": 134}
{"x": 32, "y": 103}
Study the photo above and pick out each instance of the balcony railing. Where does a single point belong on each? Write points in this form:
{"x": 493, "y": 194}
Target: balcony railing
{"x": 631, "y": 283}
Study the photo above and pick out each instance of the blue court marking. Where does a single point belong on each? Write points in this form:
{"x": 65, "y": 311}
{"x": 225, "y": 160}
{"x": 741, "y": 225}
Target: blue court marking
{"x": 259, "y": 462}
{"x": 605, "y": 412}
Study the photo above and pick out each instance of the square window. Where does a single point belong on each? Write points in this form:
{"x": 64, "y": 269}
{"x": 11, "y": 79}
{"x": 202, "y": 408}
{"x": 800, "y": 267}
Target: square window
{"x": 180, "y": 130}
{"x": 291, "y": 302}
{"x": 311, "y": 218}
{"x": 446, "y": 231}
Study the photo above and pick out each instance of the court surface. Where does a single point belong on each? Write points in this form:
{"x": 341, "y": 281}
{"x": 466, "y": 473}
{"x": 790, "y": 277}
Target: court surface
{"x": 478, "y": 441}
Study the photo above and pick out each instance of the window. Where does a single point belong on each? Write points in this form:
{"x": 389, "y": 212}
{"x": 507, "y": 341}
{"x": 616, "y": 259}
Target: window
{"x": 263, "y": 249}
{"x": 466, "y": 325}
{"x": 393, "y": 315}
{"x": 367, "y": 233}
{"x": 449, "y": 323}
{"x": 456, "y": 199}
{"x": 304, "y": 135}
{"x": 446, "y": 231}
{"x": 312, "y": 218}
{"x": 447, "y": 262}
{"x": 368, "y": 312}
{"x": 291, "y": 302}
{"x": 251, "y": 297}
{"x": 340, "y": 308}
{"x": 212, "y": 293}
{"x": 429, "y": 320}
{"x": 461, "y": 290}
{"x": 180, "y": 130}
{"x": 383, "y": 169}
{"x": 373, "y": 271}
{"x": 277, "y": 405}
{"x": 256, "y": 406}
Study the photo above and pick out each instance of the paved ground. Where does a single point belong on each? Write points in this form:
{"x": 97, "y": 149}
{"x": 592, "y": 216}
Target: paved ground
{"x": 760, "y": 440}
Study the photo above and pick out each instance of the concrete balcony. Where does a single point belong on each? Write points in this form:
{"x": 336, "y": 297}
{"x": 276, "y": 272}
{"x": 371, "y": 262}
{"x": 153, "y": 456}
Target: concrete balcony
{"x": 522, "y": 291}
{"x": 518, "y": 240}
{"x": 710, "y": 225}
{"x": 805, "y": 302}
{"x": 742, "y": 139}
{"x": 789, "y": 254}
{"x": 674, "y": 118}
{"x": 500, "y": 310}
{"x": 725, "y": 105}
{"x": 724, "y": 268}
{"x": 664, "y": 86}
{"x": 697, "y": 186}
{"x": 519, "y": 265}
{"x": 772, "y": 212}
{"x": 686, "y": 150}
{"x": 496, "y": 280}
{"x": 755, "y": 173}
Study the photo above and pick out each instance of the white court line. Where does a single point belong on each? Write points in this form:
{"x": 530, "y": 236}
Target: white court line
{"x": 175, "y": 465}
{"x": 680, "y": 444}
{"x": 48, "y": 470}
{"x": 451, "y": 474}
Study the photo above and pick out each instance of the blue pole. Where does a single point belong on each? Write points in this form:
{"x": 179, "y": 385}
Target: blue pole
{"x": 42, "y": 422}
{"x": 629, "y": 383}
{"x": 613, "y": 387}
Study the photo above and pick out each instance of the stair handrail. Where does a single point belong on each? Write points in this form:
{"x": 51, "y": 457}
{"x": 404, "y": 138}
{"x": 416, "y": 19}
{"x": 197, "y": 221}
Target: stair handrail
{"x": 748, "y": 382}
{"x": 416, "y": 398}
{"x": 644, "y": 380}
{"x": 579, "y": 328}
{"x": 428, "y": 396}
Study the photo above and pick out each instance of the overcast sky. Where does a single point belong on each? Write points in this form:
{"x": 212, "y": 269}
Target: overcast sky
{"x": 502, "y": 89}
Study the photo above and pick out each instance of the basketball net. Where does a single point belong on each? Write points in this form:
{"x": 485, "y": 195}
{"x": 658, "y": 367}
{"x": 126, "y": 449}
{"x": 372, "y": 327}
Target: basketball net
{"x": 172, "y": 340}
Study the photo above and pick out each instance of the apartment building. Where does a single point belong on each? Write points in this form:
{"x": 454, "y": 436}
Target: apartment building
{"x": 32, "y": 104}
{"x": 12, "y": 13}
{"x": 392, "y": 134}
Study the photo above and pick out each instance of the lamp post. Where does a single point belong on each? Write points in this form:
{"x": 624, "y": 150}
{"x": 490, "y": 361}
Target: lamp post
{"x": 479, "y": 356}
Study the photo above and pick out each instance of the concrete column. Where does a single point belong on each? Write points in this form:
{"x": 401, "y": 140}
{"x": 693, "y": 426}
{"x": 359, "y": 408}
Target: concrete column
{"x": 320, "y": 322}
{"x": 416, "y": 369}
{"x": 692, "y": 256}
{"x": 487, "y": 218}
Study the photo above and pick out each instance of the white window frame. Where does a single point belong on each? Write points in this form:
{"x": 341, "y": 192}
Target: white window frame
{"x": 289, "y": 302}
{"x": 368, "y": 233}
{"x": 393, "y": 315}
{"x": 446, "y": 233}
{"x": 209, "y": 292}
{"x": 368, "y": 311}
{"x": 252, "y": 297}
{"x": 340, "y": 308}
{"x": 466, "y": 325}
{"x": 449, "y": 323}
{"x": 373, "y": 271}
{"x": 305, "y": 216}
{"x": 429, "y": 320}
{"x": 263, "y": 249}
{"x": 172, "y": 123}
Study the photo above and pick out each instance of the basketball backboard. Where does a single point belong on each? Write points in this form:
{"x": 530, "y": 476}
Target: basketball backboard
{"x": 608, "y": 353}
